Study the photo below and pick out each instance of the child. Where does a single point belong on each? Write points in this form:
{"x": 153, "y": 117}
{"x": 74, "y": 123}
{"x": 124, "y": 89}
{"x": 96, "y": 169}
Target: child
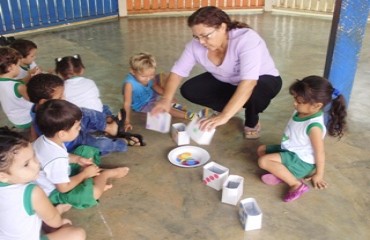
{"x": 13, "y": 97}
{"x": 301, "y": 152}
{"x": 142, "y": 87}
{"x": 28, "y": 50}
{"x": 77, "y": 89}
{"x": 43, "y": 87}
{"x": 23, "y": 205}
{"x": 84, "y": 93}
{"x": 59, "y": 121}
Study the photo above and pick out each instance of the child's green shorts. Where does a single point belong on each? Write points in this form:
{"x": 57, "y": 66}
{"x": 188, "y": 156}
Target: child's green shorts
{"x": 81, "y": 197}
{"x": 44, "y": 237}
{"x": 292, "y": 162}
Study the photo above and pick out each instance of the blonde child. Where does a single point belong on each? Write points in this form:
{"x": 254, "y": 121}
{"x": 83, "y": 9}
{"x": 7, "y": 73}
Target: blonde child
{"x": 59, "y": 121}
{"x": 24, "y": 205}
{"x": 301, "y": 152}
{"x": 13, "y": 97}
{"x": 142, "y": 87}
{"x": 28, "y": 66}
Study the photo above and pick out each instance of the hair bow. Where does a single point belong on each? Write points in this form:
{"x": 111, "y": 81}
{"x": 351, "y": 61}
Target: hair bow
{"x": 335, "y": 93}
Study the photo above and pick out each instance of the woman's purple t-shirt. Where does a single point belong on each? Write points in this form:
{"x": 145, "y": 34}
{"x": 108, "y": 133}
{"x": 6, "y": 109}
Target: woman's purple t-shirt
{"x": 247, "y": 58}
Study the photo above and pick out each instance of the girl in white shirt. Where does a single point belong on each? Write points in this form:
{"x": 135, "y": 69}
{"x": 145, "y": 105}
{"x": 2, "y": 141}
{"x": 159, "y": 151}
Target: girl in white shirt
{"x": 79, "y": 90}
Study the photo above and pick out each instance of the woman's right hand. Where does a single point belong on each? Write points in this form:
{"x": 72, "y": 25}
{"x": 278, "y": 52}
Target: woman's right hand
{"x": 162, "y": 105}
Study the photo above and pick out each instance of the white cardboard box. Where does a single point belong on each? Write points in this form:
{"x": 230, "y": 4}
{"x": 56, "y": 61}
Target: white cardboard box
{"x": 250, "y": 214}
{"x": 214, "y": 175}
{"x": 179, "y": 134}
{"x": 160, "y": 122}
{"x": 232, "y": 189}
{"x": 197, "y": 135}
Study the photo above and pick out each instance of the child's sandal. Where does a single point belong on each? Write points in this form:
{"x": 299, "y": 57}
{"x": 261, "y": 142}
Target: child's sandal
{"x": 133, "y": 140}
{"x": 120, "y": 122}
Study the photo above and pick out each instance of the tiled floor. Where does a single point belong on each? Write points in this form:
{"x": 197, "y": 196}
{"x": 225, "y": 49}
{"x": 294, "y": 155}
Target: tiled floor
{"x": 158, "y": 200}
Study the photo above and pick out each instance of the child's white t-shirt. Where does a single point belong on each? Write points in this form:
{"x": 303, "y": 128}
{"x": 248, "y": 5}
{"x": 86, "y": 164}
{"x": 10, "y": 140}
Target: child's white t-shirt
{"x": 18, "y": 219}
{"x": 16, "y": 108}
{"x": 83, "y": 92}
{"x": 54, "y": 163}
{"x": 24, "y": 72}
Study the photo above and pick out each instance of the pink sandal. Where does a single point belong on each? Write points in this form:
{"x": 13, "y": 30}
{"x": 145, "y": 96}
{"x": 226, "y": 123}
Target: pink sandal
{"x": 293, "y": 195}
{"x": 270, "y": 179}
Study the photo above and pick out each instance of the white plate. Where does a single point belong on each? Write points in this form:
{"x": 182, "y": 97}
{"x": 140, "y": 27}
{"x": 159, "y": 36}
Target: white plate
{"x": 188, "y": 156}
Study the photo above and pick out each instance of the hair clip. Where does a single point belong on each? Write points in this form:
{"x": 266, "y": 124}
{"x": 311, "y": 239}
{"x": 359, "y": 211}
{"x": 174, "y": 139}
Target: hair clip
{"x": 58, "y": 59}
{"x": 335, "y": 93}
{"x": 76, "y": 56}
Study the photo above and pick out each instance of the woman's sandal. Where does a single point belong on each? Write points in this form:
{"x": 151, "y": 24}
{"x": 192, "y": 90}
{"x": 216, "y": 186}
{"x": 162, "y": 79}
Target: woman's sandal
{"x": 252, "y": 133}
{"x": 131, "y": 138}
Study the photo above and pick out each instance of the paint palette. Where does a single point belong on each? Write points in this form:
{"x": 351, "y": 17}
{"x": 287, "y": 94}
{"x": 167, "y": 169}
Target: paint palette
{"x": 188, "y": 156}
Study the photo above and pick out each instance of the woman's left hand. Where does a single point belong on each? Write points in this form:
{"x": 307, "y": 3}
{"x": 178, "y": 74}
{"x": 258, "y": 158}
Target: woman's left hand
{"x": 213, "y": 122}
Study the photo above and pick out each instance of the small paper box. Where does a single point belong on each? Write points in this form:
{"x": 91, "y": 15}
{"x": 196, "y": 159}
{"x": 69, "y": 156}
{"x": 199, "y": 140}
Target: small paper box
{"x": 160, "y": 122}
{"x": 197, "y": 135}
{"x": 214, "y": 175}
{"x": 179, "y": 134}
{"x": 232, "y": 189}
{"x": 250, "y": 214}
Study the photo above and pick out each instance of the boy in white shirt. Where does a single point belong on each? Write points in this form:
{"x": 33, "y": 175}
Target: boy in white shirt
{"x": 59, "y": 121}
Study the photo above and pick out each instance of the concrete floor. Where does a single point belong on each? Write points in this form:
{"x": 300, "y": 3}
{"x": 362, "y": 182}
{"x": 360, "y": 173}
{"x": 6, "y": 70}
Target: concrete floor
{"x": 158, "y": 200}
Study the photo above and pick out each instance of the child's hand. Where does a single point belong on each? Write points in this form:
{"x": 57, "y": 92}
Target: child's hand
{"x": 91, "y": 171}
{"x": 128, "y": 126}
{"x": 35, "y": 71}
{"x": 84, "y": 162}
{"x": 66, "y": 221}
{"x": 318, "y": 182}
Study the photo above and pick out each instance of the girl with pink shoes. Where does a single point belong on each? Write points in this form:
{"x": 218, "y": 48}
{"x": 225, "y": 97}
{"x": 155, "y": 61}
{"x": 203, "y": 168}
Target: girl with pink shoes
{"x": 301, "y": 152}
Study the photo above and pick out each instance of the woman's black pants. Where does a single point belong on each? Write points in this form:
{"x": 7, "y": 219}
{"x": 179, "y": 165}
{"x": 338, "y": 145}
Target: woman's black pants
{"x": 206, "y": 90}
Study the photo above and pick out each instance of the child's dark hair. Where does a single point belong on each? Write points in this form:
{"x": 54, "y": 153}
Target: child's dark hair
{"x": 316, "y": 89}
{"x": 8, "y": 56}
{"x": 69, "y": 66}
{"x": 56, "y": 115}
{"x": 42, "y": 86}
{"x": 23, "y": 46}
{"x": 10, "y": 143}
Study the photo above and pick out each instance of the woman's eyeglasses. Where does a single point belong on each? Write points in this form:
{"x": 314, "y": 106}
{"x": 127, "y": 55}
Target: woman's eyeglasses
{"x": 205, "y": 36}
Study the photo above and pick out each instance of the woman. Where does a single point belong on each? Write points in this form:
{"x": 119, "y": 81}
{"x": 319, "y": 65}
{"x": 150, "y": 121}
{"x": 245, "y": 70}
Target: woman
{"x": 240, "y": 71}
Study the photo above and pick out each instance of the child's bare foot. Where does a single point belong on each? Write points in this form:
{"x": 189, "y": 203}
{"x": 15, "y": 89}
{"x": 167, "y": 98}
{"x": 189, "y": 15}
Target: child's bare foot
{"x": 107, "y": 187}
{"x": 62, "y": 208}
{"x": 119, "y": 172}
